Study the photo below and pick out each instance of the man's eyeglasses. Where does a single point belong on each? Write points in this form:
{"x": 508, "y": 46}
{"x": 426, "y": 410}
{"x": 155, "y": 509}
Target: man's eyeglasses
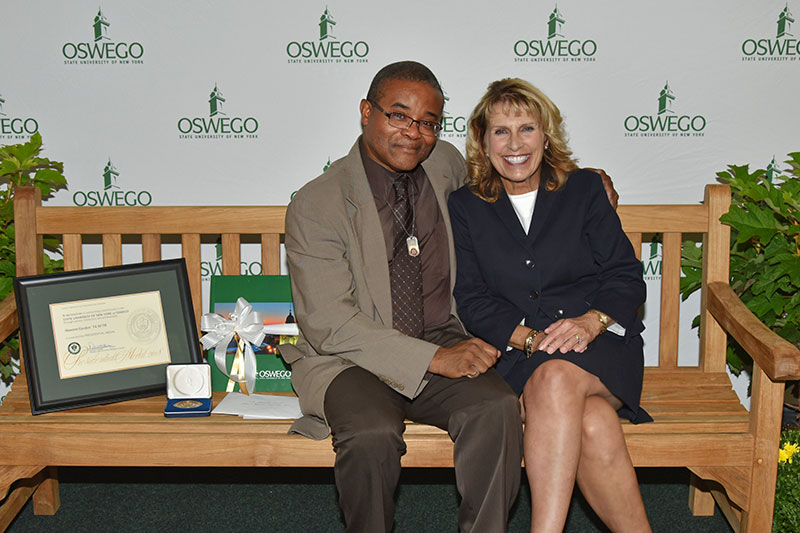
{"x": 403, "y": 122}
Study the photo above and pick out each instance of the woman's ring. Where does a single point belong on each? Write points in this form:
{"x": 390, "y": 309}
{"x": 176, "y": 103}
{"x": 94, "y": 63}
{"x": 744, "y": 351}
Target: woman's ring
{"x": 579, "y": 339}
{"x": 473, "y": 374}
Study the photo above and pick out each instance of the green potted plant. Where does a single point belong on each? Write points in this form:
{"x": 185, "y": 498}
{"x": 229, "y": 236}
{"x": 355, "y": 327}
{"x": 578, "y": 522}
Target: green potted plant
{"x": 765, "y": 249}
{"x": 21, "y": 166}
{"x": 765, "y": 273}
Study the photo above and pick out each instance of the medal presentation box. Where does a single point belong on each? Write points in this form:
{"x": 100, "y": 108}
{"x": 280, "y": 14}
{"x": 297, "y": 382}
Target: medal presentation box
{"x": 271, "y": 296}
{"x": 188, "y": 390}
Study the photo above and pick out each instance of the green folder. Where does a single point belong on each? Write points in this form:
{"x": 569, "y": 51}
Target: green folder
{"x": 272, "y": 297}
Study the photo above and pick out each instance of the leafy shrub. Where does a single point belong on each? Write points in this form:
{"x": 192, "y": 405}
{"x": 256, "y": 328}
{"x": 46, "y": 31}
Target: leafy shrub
{"x": 765, "y": 250}
{"x": 21, "y": 166}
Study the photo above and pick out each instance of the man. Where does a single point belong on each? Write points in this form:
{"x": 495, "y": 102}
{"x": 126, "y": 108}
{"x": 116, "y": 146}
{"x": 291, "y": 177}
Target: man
{"x": 376, "y": 346}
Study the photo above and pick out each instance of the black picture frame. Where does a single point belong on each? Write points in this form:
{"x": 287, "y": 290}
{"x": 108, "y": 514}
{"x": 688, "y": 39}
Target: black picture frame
{"x": 34, "y": 294}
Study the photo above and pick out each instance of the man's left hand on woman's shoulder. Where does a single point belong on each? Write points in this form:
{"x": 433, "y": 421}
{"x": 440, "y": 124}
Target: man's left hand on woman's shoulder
{"x": 608, "y": 185}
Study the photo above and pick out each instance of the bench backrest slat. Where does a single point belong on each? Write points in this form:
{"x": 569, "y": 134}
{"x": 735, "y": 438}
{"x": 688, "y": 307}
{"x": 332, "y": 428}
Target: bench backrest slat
{"x": 190, "y": 251}
{"x": 112, "y": 249}
{"x": 271, "y": 253}
{"x": 73, "y": 253}
{"x": 636, "y": 241}
{"x": 151, "y": 247}
{"x": 716, "y": 267}
{"x": 231, "y": 254}
{"x": 670, "y": 300}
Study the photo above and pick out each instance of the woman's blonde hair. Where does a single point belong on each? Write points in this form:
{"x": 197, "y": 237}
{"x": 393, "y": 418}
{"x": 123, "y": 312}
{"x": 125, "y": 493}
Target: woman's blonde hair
{"x": 518, "y": 95}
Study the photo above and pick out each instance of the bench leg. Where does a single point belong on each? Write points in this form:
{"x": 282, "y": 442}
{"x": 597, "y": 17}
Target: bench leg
{"x": 765, "y": 423}
{"x": 701, "y": 501}
{"x": 27, "y": 478}
{"x": 47, "y": 498}
{"x": 731, "y": 513}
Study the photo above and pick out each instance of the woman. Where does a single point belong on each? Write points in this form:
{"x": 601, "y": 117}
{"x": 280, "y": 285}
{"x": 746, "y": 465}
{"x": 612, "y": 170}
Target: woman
{"x": 544, "y": 269}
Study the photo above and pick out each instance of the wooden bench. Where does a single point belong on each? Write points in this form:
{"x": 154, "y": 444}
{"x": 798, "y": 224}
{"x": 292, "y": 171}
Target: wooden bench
{"x": 699, "y": 422}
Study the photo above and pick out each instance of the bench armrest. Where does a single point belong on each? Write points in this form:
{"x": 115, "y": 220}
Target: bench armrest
{"x": 8, "y": 317}
{"x": 776, "y": 356}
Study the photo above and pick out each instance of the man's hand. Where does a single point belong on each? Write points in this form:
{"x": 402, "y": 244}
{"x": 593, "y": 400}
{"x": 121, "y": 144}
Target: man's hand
{"x": 467, "y": 358}
{"x": 613, "y": 196}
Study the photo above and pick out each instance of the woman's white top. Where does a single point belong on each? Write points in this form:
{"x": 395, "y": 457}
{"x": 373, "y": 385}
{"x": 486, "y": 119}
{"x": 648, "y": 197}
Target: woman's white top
{"x": 523, "y": 207}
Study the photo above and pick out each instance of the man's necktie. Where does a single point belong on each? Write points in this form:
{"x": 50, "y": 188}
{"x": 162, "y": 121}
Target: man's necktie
{"x": 405, "y": 271}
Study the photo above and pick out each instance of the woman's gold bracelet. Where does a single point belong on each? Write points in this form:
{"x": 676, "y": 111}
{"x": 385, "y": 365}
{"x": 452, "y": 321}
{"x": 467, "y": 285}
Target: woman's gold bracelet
{"x": 529, "y": 342}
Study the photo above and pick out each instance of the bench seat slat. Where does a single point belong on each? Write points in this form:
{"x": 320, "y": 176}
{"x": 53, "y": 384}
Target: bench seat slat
{"x": 680, "y": 395}
{"x": 157, "y": 423}
{"x": 656, "y": 377}
{"x": 132, "y": 416}
{"x": 658, "y": 411}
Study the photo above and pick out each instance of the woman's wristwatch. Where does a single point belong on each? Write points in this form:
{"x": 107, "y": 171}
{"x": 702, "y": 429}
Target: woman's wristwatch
{"x": 605, "y": 320}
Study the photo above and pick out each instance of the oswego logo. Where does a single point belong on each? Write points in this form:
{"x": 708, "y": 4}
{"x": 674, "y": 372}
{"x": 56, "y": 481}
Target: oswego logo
{"x": 329, "y": 49}
{"x": 453, "y": 127}
{"x": 274, "y": 374}
{"x": 773, "y": 170}
{"x": 214, "y": 268}
{"x": 217, "y": 125}
{"x": 14, "y": 128}
{"x": 102, "y": 51}
{"x": 666, "y": 123}
{"x": 557, "y": 47}
{"x": 652, "y": 264}
{"x": 784, "y": 47}
{"x": 111, "y": 194}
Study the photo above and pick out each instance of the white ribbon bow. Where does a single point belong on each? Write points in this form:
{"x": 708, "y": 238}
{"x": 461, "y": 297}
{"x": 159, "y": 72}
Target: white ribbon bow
{"x": 245, "y": 322}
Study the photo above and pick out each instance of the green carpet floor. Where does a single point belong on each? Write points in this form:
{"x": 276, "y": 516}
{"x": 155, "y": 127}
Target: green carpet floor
{"x": 303, "y": 500}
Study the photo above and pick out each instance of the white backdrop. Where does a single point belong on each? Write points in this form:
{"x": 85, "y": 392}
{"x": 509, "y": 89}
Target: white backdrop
{"x": 131, "y": 85}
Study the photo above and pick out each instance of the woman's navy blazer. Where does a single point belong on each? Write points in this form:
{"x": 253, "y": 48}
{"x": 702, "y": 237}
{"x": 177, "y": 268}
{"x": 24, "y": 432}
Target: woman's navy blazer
{"x": 574, "y": 258}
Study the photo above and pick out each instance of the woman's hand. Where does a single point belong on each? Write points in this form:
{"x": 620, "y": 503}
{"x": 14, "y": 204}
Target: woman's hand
{"x": 571, "y": 334}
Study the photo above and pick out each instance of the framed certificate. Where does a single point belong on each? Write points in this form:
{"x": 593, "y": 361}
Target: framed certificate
{"x": 104, "y": 335}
